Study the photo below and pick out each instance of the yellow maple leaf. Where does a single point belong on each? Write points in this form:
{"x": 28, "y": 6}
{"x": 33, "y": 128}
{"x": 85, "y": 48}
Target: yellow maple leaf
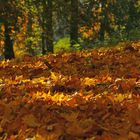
{"x": 89, "y": 81}
{"x": 119, "y": 98}
{"x": 54, "y": 76}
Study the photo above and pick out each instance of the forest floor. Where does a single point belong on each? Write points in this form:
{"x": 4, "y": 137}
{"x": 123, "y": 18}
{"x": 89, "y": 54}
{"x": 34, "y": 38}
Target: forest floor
{"x": 87, "y": 95}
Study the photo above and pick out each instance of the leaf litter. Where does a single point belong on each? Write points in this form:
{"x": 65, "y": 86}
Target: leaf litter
{"x": 87, "y": 95}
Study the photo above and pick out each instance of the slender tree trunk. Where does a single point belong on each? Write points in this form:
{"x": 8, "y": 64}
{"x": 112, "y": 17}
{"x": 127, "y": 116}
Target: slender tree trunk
{"x": 102, "y": 31}
{"x": 74, "y": 23}
{"x": 43, "y": 26}
{"x": 104, "y": 21}
{"x": 43, "y": 43}
{"x": 131, "y": 18}
{"x": 8, "y": 46}
{"x": 29, "y": 30}
{"x": 49, "y": 26}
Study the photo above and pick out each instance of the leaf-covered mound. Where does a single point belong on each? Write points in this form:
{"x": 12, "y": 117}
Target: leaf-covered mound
{"x": 88, "y": 95}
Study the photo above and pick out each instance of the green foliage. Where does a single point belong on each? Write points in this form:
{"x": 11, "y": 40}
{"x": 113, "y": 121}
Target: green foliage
{"x": 62, "y": 44}
{"x": 77, "y": 46}
{"x": 134, "y": 34}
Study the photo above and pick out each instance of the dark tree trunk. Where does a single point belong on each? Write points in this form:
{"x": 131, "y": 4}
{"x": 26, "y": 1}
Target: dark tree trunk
{"x": 30, "y": 30}
{"x": 102, "y": 22}
{"x": 132, "y": 18}
{"x": 74, "y": 23}
{"x": 105, "y": 23}
{"x": 43, "y": 43}
{"x": 49, "y": 27}
{"x": 8, "y": 46}
{"x": 102, "y": 30}
{"x": 43, "y": 26}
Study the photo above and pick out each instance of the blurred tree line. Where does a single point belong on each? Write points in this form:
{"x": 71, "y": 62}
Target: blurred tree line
{"x": 37, "y": 25}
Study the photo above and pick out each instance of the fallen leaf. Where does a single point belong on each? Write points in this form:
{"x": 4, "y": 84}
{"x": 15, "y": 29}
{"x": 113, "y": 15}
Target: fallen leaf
{"x": 30, "y": 121}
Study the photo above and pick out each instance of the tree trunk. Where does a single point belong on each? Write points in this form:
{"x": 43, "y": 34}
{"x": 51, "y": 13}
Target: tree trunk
{"x": 105, "y": 24}
{"x": 132, "y": 18}
{"x": 102, "y": 30}
{"x": 43, "y": 27}
{"x": 29, "y": 31}
{"x": 49, "y": 26}
{"x": 74, "y": 23}
{"x": 8, "y": 43}
{"x": 43, "y": 43}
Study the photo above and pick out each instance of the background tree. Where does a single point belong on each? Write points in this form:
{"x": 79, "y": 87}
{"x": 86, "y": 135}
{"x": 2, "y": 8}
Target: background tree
{"x": 45, "y": 17}
{"x": 49, "y": 26}
{"x": 74, "y": 23}
{"x": 8, "y": 16}
{"x": 61, "y": 18}
{"x": 8, "y": 45}
{"x": 38, "y": 25}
